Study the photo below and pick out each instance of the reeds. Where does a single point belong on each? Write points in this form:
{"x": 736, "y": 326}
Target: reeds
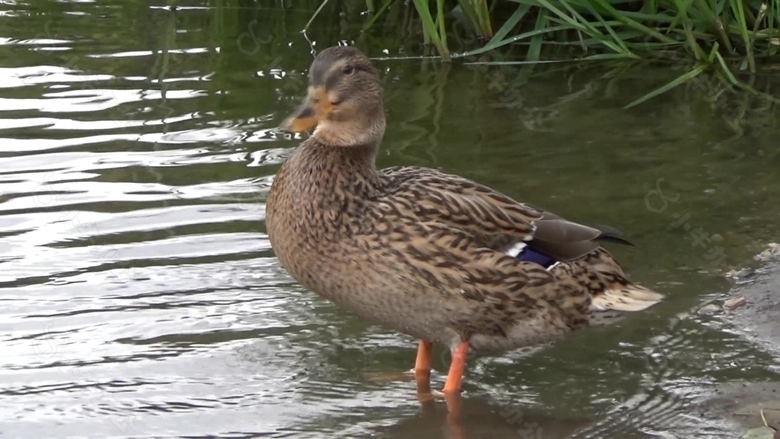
{"x": 722, "y": 36}
{"x": 725, "y": 38}
{"x": 616, "y": 28}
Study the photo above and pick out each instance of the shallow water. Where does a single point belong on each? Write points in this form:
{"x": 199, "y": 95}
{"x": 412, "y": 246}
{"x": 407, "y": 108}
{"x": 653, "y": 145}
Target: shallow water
{"x": 140, "y": 296}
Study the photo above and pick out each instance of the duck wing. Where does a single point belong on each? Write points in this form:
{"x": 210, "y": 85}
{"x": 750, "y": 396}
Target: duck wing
{"x": 493, "y": 219}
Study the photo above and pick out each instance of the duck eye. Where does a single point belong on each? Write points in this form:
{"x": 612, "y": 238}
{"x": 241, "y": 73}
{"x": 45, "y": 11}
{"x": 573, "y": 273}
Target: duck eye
{"x": 348, "y": 69}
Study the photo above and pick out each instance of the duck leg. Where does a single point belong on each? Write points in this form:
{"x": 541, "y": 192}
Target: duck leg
{"x": 457, "y": 367}
{"x": 424, "y": 353}
{"x": 422, "y": 367}
{"x": 422, "y": 370}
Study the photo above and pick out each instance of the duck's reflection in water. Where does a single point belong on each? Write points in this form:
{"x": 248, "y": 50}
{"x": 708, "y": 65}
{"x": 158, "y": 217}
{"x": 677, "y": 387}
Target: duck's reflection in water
{"x": 456, "y": 417}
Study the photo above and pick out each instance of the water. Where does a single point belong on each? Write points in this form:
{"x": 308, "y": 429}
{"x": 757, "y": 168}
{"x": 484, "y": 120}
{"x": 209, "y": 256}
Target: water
{"x": 140, "y": 296}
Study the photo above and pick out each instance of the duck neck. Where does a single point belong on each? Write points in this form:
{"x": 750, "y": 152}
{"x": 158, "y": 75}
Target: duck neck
{"x": 336, "y": 173}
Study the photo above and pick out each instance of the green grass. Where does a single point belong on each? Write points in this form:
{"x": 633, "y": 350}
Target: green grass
{"x": 724, "y": 37}
{"x": 744, "y": 29}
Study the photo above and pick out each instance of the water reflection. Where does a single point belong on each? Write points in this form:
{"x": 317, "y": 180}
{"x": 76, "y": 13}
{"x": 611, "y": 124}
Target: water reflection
{"x": 141, "y": 297}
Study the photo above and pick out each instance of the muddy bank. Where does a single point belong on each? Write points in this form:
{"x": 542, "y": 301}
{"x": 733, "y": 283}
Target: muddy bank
{"x": 751, "y": 310}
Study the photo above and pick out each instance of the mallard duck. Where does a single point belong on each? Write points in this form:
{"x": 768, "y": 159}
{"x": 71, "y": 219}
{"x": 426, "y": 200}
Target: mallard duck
{"x": 427, "y": 253}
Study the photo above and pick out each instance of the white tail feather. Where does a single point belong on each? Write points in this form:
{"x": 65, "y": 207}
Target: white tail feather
{"x": 515, "y": 249}
{"x": 629, "y": 298}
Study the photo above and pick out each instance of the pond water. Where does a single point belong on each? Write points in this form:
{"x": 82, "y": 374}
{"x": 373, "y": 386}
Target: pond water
{"x": 140, "y": 296}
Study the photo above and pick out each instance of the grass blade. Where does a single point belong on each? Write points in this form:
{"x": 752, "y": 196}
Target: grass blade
{"x": 510, "y": 24}
{"x": 739, "y": 13}
{"x": 682, "y": 79}
{"x": 316, "y": 13}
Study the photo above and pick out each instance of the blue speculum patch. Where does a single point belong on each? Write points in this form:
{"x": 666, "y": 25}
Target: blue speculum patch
{"x": 528, "y": 255}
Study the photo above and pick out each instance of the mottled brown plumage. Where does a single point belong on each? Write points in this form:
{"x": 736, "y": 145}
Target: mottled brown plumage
{"x": 424, "y": 252}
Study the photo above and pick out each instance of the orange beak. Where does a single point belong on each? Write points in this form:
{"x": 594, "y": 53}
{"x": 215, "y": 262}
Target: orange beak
{"x": 315, "y": 107}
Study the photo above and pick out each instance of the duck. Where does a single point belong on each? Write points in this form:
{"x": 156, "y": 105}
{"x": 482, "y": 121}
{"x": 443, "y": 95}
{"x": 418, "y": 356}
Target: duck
{"x": 423, "y": 252}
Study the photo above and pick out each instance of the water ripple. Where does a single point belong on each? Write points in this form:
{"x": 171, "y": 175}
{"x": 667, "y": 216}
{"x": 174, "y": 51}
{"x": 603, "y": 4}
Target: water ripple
{"x": 140, "y": 296}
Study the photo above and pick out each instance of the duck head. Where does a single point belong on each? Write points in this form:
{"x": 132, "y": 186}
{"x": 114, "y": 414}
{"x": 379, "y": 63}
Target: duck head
{"x": 344, "y": 100}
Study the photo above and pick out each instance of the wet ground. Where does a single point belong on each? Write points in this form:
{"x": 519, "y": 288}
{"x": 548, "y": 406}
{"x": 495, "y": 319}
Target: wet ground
{"x": 750, "y": 311}
{"x": 140, "y": 296}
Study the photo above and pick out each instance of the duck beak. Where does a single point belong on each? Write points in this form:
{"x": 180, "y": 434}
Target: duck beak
{"x": 314, "y": 108}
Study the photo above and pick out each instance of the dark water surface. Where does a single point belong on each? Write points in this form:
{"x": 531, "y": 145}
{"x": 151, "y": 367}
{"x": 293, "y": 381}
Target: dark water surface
{"x": 139, "y": 296}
